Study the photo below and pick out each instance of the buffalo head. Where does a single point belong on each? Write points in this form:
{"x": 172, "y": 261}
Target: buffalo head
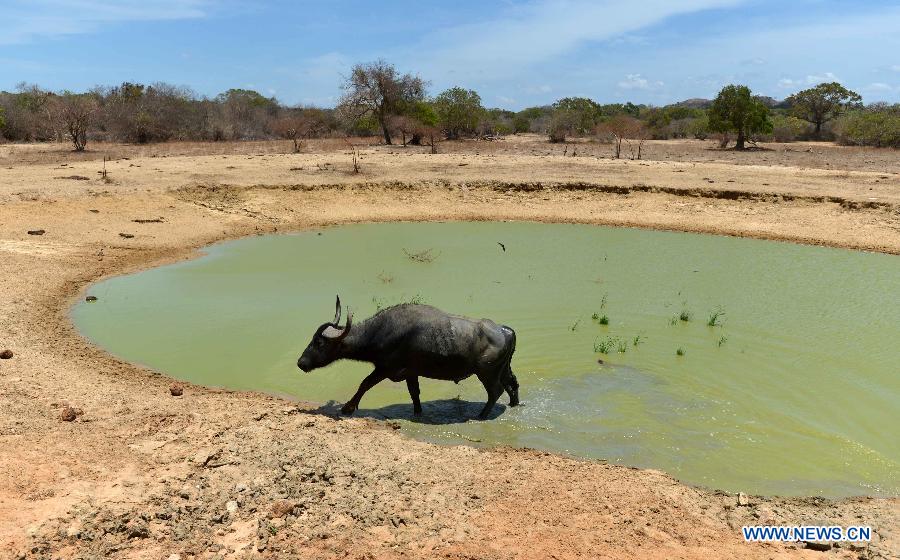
{"x": 325, "y": 345}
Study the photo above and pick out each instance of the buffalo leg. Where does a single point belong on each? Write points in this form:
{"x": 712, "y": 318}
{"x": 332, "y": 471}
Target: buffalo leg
{"x": 370, "y": 381}
{"x": 494, "y": 389}
{"x": 412, "y": 383}
{"x": 511, "y": 385}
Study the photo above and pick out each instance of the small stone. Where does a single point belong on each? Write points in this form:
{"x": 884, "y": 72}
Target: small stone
{"x": 742, "y": 499}
{"x": 6, "y": 354}
{"x": 90, "y": 298}
{"x": 126, "y": 235}
{"x": 176, "y": 390}
{"x": 36, "y": 232}
{"x": 174, "y": 557}
{"x": 138, "y": 529}
{"x": 231, "y": 506}
{"x": 281, "y": 508}
{"x": 68, "y": 414}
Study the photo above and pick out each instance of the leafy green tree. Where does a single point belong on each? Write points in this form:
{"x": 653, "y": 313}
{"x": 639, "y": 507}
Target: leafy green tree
{"x": 734, "y": 109}
{"x": 2, "y": 120}
{"x": 582, "y": 113}
{"x": 823, "y": 103}
{"x": 458, "y": 111}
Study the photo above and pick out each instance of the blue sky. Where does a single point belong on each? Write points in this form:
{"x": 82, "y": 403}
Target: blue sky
{"x": 514, "y": 53}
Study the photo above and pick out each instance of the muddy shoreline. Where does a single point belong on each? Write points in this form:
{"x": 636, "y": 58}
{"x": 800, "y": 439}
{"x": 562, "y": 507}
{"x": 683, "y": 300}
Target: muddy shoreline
{"x": 143, "y": 474}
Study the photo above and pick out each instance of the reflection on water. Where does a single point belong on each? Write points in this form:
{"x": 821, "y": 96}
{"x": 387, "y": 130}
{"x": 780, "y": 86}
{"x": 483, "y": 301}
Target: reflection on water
{"x": 795, "y": 393}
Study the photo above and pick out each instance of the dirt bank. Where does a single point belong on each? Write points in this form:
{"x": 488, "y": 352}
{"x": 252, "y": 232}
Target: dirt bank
{"x": 140, "y": 473}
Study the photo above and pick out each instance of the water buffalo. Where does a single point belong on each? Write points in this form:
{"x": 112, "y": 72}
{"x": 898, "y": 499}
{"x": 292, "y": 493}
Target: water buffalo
{"x": 407, "y": 341}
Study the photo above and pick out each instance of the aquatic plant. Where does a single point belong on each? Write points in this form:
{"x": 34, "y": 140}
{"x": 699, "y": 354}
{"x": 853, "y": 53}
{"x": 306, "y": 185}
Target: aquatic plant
{"x": 574, "y": 325}
{"x": 722, "y": 340}
{"x": 603, "y": 301}
{"x": 605, "y": 345}
{"x": 716, "y": 317}
{"x": 638, "y": 339}
{"x": 685, "y": 315}
{"x": 621, "y": 346}
{"x": 673, "y": 320}
{"x": 385, "y": 279}
{"x": 679, "y": 352}
{"x": 425, "y": 256}
{"x": 602, "y": 319}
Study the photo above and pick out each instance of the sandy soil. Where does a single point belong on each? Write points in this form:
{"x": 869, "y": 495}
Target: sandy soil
{"x": 140, "y": 473}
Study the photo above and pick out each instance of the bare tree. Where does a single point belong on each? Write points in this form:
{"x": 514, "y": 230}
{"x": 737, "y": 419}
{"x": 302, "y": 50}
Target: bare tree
{"x": 619, "y": 129}
{"x": 76, "y": 113}
{"x": 378, "y": 90}
{"x": 291, "y": 128}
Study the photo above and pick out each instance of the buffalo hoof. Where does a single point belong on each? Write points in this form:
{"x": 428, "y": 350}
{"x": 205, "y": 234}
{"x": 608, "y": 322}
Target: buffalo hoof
{"x": 348, "y": 409}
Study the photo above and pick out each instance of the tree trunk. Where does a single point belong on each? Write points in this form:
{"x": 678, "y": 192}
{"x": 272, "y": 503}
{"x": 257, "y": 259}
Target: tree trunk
{"x": 740, "y": 140}
{"x": 387, "y": 135}
{"x": 818, "y": 131}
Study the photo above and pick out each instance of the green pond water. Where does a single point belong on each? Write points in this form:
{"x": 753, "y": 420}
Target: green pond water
{"x": 797, "y": 392}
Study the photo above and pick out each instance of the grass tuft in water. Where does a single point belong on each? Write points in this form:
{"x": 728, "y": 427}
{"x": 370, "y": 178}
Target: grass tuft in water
{"x": 621, "y": 346}
{"x": 673, "y": 320}
{"x": 722, "y": 341}
{"x": 639, "y": 339}
{"x": 685, "y": 315}
{"x": 716, "y": 318}
{"x": 602, "y": 319}
{"x": 679, "y": 352}
{"x": 425, "y": 256}
{"x": 604, "y": 345}
{"x": 574, "y": 325}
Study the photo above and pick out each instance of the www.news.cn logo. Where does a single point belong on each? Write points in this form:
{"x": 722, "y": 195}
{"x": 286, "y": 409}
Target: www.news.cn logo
{"x": 821, "y": 533}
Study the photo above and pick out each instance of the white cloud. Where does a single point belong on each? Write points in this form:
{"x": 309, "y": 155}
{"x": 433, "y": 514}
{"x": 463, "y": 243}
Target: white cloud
{"x": 880, "y": 87}
{"x": 545, "y": 30}
{"x": 636, "y": 81}
{"x": 809, "y": 80}
{"x": 29, "y": 20}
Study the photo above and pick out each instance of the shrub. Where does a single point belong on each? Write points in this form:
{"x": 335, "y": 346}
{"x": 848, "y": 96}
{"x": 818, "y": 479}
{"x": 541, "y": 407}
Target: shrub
{"x": 788, "y": 129}
{"x": 877, "y": 126}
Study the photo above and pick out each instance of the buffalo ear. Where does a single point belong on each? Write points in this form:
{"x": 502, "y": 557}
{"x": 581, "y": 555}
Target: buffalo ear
{"x": 337, "y": 311}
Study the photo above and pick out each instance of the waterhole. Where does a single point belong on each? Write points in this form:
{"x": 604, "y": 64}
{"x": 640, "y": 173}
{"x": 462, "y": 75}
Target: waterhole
{"x": 737, "y": 364}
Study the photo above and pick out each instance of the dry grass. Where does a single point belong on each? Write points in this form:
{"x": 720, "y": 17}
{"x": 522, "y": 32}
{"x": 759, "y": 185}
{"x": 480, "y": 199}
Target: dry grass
{"x": 816, "y": 155}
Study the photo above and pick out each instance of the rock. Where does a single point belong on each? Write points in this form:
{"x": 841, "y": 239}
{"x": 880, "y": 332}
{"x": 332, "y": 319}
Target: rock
{"x": 742, "y": 499}
{"x": 281, "y": 508}
{"x": 820, "y": 546}
{"x": 36, "y": 232}
{"x": 174, "y": 557}
{"x": 176, "y": 390}
{"x": 231, "y": 506}
{"x": 6, "y": 354}
{"x": 68, "y": 414}
{"x": 90, "y": 298}
{"x": 126, "y": 235}
{"x": 138, "y": 529}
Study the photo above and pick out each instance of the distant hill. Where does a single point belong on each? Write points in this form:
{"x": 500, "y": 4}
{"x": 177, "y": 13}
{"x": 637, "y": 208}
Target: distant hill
{"x": 694, "y": 103}
{"x": 700, "y": 103}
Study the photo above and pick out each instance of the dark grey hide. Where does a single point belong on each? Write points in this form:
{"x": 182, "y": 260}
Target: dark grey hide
{"x": 409, "y": 341}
